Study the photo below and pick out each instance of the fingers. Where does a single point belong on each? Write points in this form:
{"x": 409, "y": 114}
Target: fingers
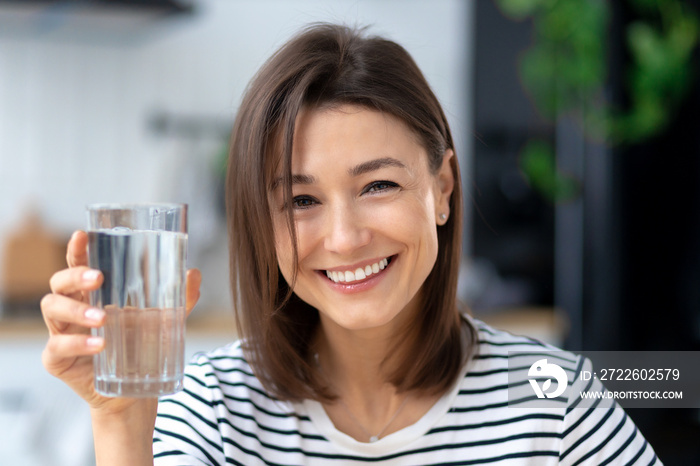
{"x": 61, "y": 311}
{"x": 76, "y": 253}
{"x": 194, "y": 280}
{"x": 74, "y": 280}
{"x": 62, "y": 347}
{"x": 65, "y": 352}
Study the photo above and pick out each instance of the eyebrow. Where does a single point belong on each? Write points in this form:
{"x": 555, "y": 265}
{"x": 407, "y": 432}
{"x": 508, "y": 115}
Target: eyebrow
{"x": 361, "y": 169}
{"x": 374, "y": 165}
{"x": 296, "y": 179}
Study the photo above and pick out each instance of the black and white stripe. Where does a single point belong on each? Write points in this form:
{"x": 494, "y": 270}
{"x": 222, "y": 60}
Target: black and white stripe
{"x": 224, "y": 416}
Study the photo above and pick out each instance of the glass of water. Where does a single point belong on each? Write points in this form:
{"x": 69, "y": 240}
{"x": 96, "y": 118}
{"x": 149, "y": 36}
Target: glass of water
{"x": 141, "y": 251}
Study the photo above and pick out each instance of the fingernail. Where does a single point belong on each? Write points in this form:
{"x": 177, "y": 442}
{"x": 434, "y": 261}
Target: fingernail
{"x": 94, "y": 341}
{"x": 91, "y": 275}
{"x": 94, "y": 314}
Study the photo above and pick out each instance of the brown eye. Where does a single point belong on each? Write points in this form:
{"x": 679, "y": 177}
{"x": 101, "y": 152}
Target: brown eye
{"x": 303, "y": 202}
{"x": 378, "y": 186}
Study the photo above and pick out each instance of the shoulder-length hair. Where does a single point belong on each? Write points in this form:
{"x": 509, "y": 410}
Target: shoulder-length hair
{"x": 328, "y": 65}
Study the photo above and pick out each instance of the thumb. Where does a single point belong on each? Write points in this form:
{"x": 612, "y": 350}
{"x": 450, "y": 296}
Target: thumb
{"x": 194, "y": 280}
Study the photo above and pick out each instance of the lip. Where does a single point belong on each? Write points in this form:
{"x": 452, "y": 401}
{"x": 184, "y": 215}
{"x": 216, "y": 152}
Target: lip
{"x": 362, "y": 285}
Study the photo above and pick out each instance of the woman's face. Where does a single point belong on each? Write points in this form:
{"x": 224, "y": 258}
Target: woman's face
{"x": 366, "y": 208}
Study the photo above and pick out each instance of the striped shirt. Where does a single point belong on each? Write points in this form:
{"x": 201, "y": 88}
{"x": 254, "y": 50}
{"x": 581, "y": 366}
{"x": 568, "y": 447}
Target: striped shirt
{"x": 224, "y": 416}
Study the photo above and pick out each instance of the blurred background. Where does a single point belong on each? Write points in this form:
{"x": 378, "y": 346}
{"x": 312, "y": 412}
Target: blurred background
{"x": 576, "y": 123}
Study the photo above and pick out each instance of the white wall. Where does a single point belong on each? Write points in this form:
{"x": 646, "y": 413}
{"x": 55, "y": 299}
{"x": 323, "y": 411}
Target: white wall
{"x": 73, "y": 130}
{"x": 74, "y": 108}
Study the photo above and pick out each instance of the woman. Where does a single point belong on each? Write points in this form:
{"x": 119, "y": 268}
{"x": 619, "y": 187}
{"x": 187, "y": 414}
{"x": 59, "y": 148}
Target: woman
{"x": 344, "y": 207}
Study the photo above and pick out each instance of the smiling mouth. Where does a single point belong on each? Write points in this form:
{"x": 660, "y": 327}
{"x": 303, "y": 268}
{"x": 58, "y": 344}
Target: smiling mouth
{"x": 361, "y": 273}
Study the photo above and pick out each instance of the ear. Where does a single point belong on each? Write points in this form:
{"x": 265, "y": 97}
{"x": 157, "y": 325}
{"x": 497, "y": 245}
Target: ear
{"x": 445, "y": 183}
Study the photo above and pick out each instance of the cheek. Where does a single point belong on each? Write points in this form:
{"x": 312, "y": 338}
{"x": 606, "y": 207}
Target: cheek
{"x": 412, "y": 216}
{"x": 412, "y": 225}
{"x": 417, "y": 224}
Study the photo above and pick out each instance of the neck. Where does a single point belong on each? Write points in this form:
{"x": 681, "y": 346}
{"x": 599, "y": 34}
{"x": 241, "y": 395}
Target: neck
{"x": 357, "y": 364}
{"x": 361, "y": 361}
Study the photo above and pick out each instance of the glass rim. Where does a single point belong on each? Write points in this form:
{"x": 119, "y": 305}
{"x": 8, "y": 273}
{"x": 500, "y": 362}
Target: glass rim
{"x": 134, "y": 206}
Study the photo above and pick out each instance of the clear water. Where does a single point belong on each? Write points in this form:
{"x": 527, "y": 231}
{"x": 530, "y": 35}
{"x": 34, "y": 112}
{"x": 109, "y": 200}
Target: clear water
{"x": 143, "y": 295}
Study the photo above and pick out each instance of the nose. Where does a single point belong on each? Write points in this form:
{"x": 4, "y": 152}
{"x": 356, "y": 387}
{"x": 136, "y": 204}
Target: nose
{"x": 346, "y": 230}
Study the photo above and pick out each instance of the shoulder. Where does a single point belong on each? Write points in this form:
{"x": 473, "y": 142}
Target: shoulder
{"x": 225, "y": 374}
{"x": 229, "y": 359}
{"x": 497, "y": 355}
{"x": 221, "y": 411}
{"x": 232, "y": 352}
{"x": 508, "y": 361}
{"x": 493, "y": 341}
{"x": 505, "y": 381}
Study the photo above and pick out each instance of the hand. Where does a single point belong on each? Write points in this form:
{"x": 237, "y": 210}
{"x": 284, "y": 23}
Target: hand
{"x": 69, "y": 351}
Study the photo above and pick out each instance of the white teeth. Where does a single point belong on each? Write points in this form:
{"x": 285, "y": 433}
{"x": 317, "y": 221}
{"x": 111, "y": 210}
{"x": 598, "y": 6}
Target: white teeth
{"x": 359, "y": 273}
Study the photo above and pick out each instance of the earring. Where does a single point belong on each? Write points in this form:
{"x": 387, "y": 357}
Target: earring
{"x": 443, "y": 217}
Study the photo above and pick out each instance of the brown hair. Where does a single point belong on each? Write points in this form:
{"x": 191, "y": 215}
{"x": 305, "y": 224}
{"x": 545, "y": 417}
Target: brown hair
{"x": 330, "y": 65}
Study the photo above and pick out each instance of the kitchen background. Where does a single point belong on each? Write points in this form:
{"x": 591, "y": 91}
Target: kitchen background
{"x": 581, "y": 243}
{"x": 133, "y": 101}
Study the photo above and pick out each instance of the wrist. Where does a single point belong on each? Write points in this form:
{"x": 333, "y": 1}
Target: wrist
{"x": 124, "y": 436}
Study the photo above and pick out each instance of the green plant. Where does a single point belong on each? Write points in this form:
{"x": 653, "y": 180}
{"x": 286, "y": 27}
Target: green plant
{"x": 565, "y": 71}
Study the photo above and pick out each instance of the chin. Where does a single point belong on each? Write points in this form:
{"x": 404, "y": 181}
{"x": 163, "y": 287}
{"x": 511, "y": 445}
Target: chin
{"x": 360, "y": 320}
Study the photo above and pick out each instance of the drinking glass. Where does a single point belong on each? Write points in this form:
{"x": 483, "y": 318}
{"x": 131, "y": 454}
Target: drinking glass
{"x": 141, "y": 250}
